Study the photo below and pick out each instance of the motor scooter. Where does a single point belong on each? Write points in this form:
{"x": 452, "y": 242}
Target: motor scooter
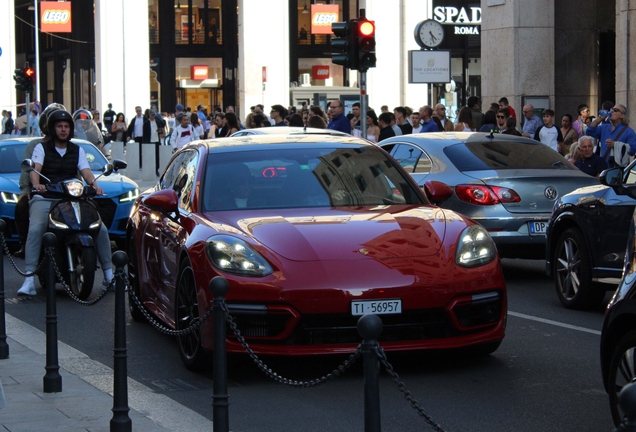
{"x": 75, "y": 221}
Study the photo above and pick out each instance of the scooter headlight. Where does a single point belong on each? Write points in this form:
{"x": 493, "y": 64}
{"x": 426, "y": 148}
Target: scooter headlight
{"x": 75, "y": 188}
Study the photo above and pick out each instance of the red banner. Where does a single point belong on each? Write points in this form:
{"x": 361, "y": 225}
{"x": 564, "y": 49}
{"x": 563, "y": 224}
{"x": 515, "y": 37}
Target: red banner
{"x": 320, "y": 72}
{"x": 322, "y": 16}
{"x": 55, "y": 17}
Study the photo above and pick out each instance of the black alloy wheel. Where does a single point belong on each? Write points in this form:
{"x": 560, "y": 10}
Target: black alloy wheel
{"x": 187, "y": 311}
{"x": 622, "y": 371}
{"x": 573, "y": 273}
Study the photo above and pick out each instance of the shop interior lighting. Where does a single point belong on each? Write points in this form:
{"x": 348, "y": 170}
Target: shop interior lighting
{"x": 178, "y": 9}
{"x": 305, "y": 11}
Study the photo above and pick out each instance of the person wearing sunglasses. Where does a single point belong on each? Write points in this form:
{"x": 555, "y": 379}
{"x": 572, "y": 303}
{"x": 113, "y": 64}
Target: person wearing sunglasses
{"x": 502, "y": 116}
{"x": 617, "y": 141}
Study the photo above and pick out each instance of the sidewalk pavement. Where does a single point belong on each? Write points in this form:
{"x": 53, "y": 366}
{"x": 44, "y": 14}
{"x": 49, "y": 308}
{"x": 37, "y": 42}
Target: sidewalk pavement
{"x": 85, "y": 402}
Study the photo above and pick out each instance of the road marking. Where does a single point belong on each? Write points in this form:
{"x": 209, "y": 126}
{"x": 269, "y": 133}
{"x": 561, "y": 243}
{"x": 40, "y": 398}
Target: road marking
{"x": 556, "y": 323}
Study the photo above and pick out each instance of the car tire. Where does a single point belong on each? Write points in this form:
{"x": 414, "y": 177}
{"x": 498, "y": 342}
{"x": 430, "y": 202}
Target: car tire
{"x": 186, "y": 311}
{"x": 133, "y": 280}
{"x": 572, "y": 269}
{"x": 621, "y": 372}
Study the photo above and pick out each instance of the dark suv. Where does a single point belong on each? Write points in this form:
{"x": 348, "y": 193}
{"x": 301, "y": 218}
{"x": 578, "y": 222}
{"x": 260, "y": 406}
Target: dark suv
{"x": 586, "y": 238}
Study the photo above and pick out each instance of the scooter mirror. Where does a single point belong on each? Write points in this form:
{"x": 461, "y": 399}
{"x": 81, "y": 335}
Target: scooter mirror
{"x": 28, "y": 165}
{"x": 108, "y": 169}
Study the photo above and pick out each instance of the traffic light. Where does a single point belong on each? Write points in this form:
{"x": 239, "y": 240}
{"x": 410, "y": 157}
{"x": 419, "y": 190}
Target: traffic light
{"x": 345, "y": 42}
{"x": 20, "y": 79}
{"x": 365, "y": 44}
{"x": 29, "y": 77}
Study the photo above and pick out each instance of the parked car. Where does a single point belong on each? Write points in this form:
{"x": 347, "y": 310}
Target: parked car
{"x": 287, "y": 130}
{"x": 586, "y": 238}
{"x": 506, "y": 183}
{"x": 114, "y": 206}
{"x": 311, "y": 233}
{"x": 618, "y": 338}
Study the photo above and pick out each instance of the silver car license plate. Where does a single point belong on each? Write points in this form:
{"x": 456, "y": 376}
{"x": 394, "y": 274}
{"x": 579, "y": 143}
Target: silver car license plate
{"x": 537, "y": 228}
{"x": 377, "y": 307}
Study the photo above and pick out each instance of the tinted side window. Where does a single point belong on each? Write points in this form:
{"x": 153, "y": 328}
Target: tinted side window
{"x": 475, "y": 156}
{"x": 180, "y": 177}
{"x": 411, "y": 158}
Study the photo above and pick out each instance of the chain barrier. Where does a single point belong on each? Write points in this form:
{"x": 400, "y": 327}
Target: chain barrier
{"x": 407, "y": 394}
{"x": 196, "y": 323}
{"x": 13, "y": 264}
{"x": 270, "y": 373}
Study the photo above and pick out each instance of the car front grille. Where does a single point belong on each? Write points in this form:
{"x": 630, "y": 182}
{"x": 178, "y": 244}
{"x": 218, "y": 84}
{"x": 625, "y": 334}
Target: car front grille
{"x": 107, "y": 209}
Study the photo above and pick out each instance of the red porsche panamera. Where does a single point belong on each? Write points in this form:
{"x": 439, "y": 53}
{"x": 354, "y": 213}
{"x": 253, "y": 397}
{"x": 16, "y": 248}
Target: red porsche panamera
{"x": 311, "y": 232}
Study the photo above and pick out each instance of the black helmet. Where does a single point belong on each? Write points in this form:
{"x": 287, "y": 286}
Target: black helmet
{"x": 45, "y": 114}
{"x": 56, "y": 116}
{"x": 82, "y": 114}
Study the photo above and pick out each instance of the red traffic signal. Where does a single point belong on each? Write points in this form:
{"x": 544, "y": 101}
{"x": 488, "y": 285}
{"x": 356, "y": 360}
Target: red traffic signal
{"x": 366, "y": 28}
{"x": 29, "y": 72}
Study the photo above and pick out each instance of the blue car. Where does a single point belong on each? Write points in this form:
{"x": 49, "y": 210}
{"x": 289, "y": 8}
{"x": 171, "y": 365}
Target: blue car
{"x": 114, "y": 206}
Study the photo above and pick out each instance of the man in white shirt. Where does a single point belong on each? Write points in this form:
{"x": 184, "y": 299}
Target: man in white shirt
{"x": 549, "y": 134}
{"x": 182, "y": 133}
{"x": 415, "y": 119}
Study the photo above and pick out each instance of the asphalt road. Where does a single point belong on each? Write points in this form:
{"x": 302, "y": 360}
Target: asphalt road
{"x": 544, "y": 377}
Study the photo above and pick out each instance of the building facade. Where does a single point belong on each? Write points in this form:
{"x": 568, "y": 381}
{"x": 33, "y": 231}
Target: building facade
{"x": 157, "y": 53}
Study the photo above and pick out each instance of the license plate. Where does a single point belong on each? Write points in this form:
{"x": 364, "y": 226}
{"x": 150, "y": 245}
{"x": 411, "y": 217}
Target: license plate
{"x": 537, "y": 228}
{"x": 376, "y": 307}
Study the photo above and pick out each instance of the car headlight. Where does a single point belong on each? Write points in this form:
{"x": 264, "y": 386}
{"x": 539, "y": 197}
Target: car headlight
{"x": 75, "y": 188}
{"x": 9, "y": 198}
{"x": 475, "y": 247}
{"x": 131, "y": 195}
{"x": 233, "y": 255}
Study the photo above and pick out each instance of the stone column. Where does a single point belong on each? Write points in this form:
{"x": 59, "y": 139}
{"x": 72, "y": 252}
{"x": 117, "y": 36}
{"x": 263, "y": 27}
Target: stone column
{"x": 518, "y": 53}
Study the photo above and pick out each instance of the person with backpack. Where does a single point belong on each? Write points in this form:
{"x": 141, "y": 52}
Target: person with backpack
{"x": 182, "y": 133}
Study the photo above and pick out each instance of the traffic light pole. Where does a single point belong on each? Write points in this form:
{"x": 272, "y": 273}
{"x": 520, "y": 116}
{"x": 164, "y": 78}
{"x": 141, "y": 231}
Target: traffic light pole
{"x": 28, "y": 111}
{"x": 364, "y": 104}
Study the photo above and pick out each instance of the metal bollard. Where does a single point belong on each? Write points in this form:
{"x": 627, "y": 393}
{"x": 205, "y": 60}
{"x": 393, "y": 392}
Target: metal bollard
{"x": 220, "y": 397}
{"x": 52, "y": 378}
{"x": 627, "y": 402}
{"x": 120, "y": 422}
{"x": 370, "y": 328}
{"x": 4, "y": 348}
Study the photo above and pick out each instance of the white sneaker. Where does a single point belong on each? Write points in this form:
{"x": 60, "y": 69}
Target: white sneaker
{"x": 28, "y": 287}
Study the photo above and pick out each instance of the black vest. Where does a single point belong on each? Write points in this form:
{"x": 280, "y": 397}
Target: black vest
{"x": 56, "y": 167}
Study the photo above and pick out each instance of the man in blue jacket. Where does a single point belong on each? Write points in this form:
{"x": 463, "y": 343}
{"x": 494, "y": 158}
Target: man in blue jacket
{"x": 338, "y": 121}
{"x": 616, "y": 133}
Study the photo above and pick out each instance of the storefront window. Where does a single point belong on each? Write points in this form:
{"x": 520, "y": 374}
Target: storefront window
{"x": 199, "y": 82}
{"x": 200, "y": 24}
{"x": 153, "y": 21}
{"x": 320, "y": 13}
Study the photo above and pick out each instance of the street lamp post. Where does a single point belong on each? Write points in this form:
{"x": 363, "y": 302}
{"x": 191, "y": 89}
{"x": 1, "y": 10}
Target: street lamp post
{"x": 37, "y": 54}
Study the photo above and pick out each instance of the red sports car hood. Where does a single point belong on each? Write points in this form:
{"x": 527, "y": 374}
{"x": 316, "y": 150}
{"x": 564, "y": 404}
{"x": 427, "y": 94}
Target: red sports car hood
{"x": 330, "y": 234}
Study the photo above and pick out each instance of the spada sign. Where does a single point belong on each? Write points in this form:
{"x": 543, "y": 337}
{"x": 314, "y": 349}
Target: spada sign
{"x": 322, "y": 16}
{"x": 466, "y": 21}
{"x": 55, "y": 17}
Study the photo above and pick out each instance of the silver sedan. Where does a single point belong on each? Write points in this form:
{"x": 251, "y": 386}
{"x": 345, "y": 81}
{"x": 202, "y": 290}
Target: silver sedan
{"x": 506, "y": 183}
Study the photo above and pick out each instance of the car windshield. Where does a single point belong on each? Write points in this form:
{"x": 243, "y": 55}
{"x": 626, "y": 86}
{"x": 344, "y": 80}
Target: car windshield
{"x": 305, "y": 177}
{"x": 11, "y": 156}
{"x": 500, "y": 155}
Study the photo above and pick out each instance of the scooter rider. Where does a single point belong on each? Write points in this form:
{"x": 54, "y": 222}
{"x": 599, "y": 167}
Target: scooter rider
{"x": 58, "y": 159}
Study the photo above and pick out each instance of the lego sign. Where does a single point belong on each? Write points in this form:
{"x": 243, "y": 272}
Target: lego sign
{"x": 55, "y": 17}
{"x": 198, "y": 72}
{"x": 322, "y": 16}
{"x": 320, "y": 72}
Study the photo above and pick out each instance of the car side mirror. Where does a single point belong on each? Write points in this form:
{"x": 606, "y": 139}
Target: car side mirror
{"x": 437, "y": 191}
{"x": 119, "y": 164}
{"x": 611, "y": 177}
{"x": 165, "y": 200}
